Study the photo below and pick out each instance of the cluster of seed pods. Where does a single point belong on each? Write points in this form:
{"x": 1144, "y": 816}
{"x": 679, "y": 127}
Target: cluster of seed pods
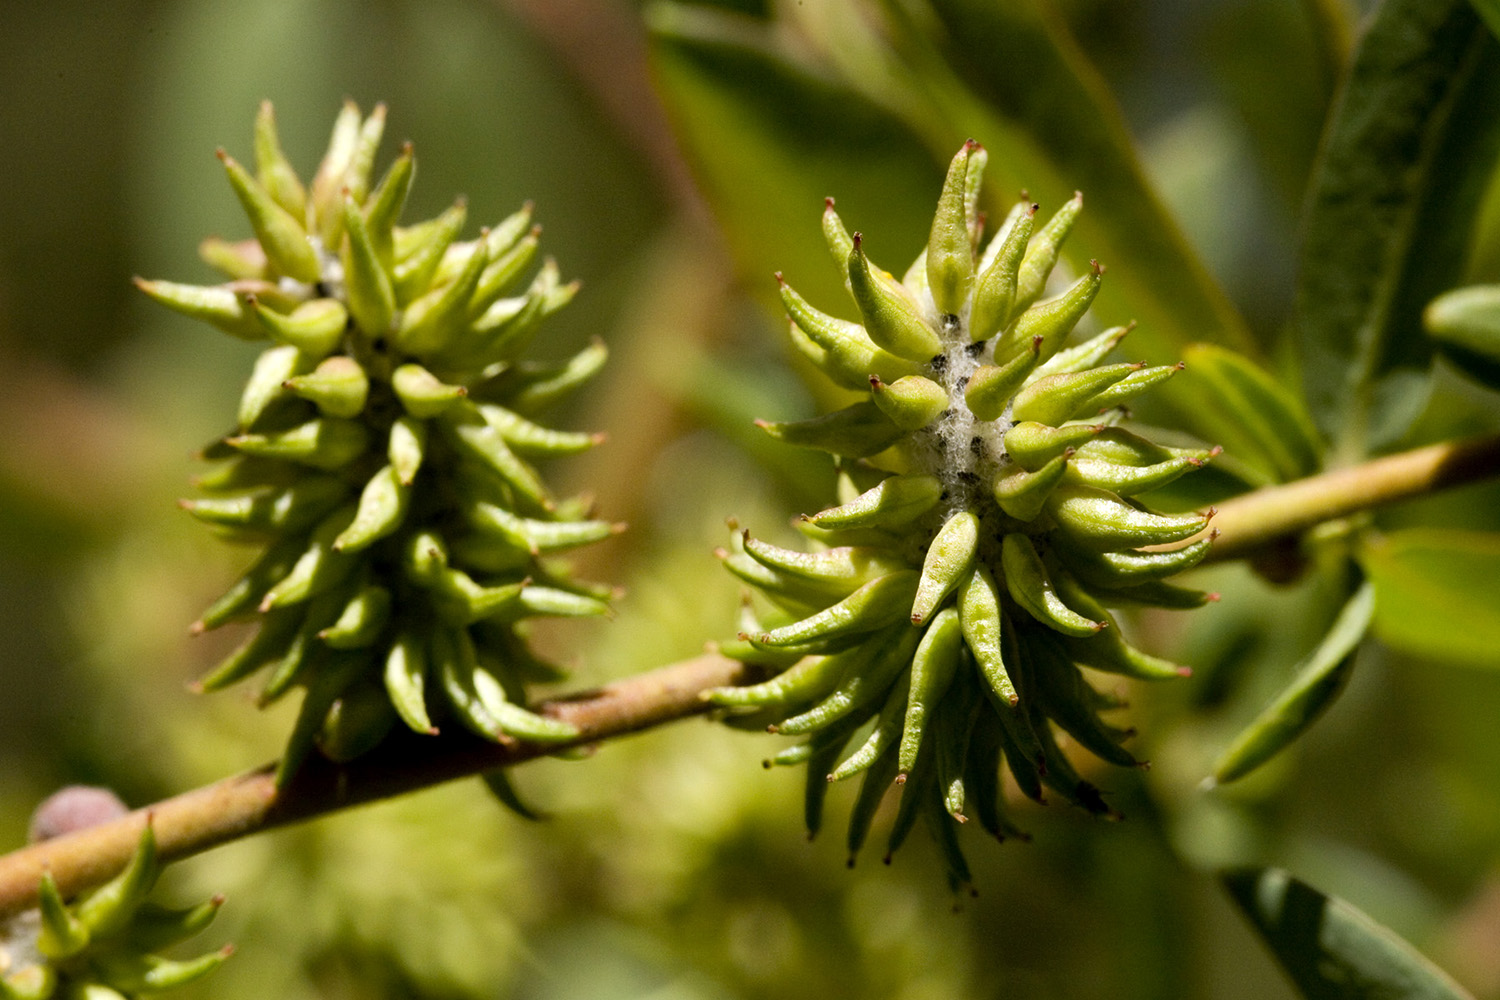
{"x": 936, "y": 624}
{"x": 383, "y": 453}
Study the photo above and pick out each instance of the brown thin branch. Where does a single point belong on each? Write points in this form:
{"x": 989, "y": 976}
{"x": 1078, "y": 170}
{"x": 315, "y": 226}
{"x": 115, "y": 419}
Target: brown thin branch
{"x": 250, "y": 803}
{"x": 1268, "y": 517}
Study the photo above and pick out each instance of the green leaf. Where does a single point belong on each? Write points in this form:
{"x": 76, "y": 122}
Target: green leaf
{"x": 1466, "y": 324}
{"x": 1330, "y": 949}
{"x": 1317, "y": 683}
{"x": 770, "y": 137}
{"x": 1405, "y": 161}
{"x": 771, "y": 130}
{"x": 1490, "y": 11}
{"x": 1052, "y": 124}
{"x": 1255, "y": 417}
{"x": 1437, "y": 593}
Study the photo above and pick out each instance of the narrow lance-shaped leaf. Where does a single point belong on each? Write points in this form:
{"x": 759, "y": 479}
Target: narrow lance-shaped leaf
{"x": 1407, "y": 157}
{"x": 1329, "y": 948}
{"x": 1308, "y": 696}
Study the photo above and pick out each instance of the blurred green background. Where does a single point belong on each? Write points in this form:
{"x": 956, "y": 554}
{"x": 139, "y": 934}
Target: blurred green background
{"x": 673, "y": 866}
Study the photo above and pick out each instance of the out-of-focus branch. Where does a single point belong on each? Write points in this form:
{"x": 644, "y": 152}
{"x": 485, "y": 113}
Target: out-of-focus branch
{"x": 1260, "y": 520}
{"x": 250, "y": 803}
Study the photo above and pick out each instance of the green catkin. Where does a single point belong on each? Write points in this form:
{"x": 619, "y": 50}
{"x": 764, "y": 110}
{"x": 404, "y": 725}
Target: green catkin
{"x": 980, "y": 530}
{"x": 103, "y": 943}
{"x": 393, "y": 404}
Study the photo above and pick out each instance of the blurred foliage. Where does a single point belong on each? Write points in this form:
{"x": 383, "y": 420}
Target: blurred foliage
{"x": 672, "y": 864}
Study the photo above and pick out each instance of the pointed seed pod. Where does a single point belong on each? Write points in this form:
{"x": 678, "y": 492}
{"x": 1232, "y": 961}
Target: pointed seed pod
{"x": 950, "y": 248}
{"x": 281, "y": 236}
{"x": 891, "y": 318}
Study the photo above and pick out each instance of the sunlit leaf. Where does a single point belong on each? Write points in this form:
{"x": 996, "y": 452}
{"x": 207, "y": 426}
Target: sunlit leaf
{"x": 1466, "y": 324}
{"x": 1437, "y": 592}
{"x": 1330, "y": 949}
{"x": 1405, "y": 162}
{"x": 1256, "y": 418}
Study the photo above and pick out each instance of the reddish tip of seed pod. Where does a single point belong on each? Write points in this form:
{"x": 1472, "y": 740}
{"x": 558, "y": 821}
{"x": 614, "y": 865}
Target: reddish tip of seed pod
{"x": 227, "y": 950}
{"x": 1209, "y": 515}
{"x": 1100, "y": 627}
{"x": 779, "y": 279}
{"x": 197, "y": 628}
{"x": 901, "y": 779}
{"x": 1036, "y": 344}
{"x": 858, "y": 238}
{"x": 1214, "y": 534}
{"x": 916, "y": 619}
{"x": 1213, "y": 596}
{"x": 1216, "y": 451}
{"x": 1181, "y": 365}
{"x": 828, "y": 203}
{"x": 829, "y": 778}
{"x": 762, "y": 424}
{"x": 223, "y": 156}
{"x": 1097, "y": 267}
{"x": 1035, "y": 208}
{"x": 960, "y": 817}
{"x": 875, "y": 384}
{"x": 1184, "y": 671}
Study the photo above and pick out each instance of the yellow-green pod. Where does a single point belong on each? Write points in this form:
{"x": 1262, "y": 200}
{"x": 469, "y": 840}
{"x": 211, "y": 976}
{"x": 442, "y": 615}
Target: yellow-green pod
{"x": 315, "y": 328}
{"x": 367, "y": 282}
{"x": 272, "y": 168}
{"x": 1041, "y": 254}
{"x": 981, "y": 621}
{"x": 361, "y": 621}
{"x": 1101, "y": 521}
{"x": 852, "y": 357}
{"x": 325, "y": 443}
{"x": 856, "y": 431}
{"x": 1032, "y": 445}
{"x": 1031, "y": 587}
{"x": 950, "y": 248}
{"x": 382, "y": 509}
{"x": 893, "y": 502}
{"x": 868, "y": 676}
{"x": 281, "y": 236}
{"x": 949, "y": 559}
{"x": 62, "y": 934}
{"x": 882, "y": 738}
{"x": 406, "y": 680}
{"x": 991, "y": 388}
{"x": 237, "y": 259}
{"x": 911, "y": 402}
{"x": 933, "y": 667}
{"x": 267, "y": 382}
{"x": 384, "y": 206}
{"x": 892, "y": 319}
{"x": 338, "y": 387}
{"x": 1023, "y": 494}
{"x": 107, "y": 910}
{"x": 431, "y": 322}
{"x": 1055, "y": 318}
{"x": 406, "y": 447}
{"x": 217, "y": 305}
{"x": 995, "y": 293}
{"x": 1056, "y": 398}
{"x": 414, "y": 270}
{"x": 328, "y": 184}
